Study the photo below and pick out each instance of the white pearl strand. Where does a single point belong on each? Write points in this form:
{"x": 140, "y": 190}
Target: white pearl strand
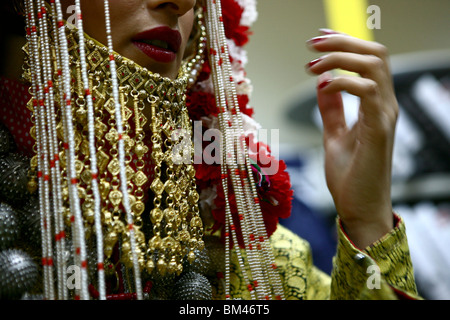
{"x": 43, "y": 101}
{"x": 252, "y": 222}
{"x": 228, "y": 156}
{"x": 92, "y": 158}
{"x": 45, "y": 128}
{"x": 53, "y": 145}
{"x": 258, "y": 223}
{"x": 258, "y": 218}
{"x": 69, "y": 137}
{"x": 195, "y": 65}
{"x": 123, "y": 177}
{"x": 59, "y": 216}
{"x": 37, "y": 93}
{"x": 77, "y": 224}
{"x": 65, "y": 95}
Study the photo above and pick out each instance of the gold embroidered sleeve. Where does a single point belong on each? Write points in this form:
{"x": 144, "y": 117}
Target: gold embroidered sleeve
{"x": 381, "y": 271}
{"x": 301, "y": 279}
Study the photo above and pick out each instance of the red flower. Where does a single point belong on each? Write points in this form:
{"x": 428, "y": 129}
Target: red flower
{"x": 243, "y": 105}
{"x": 232, "y": 13}
{"x": 207, "y": 175}
{"x": 274, "y": 192}
{"x": 201, "y": 104}
{"x": 276, "y": 198}
{"x": 205, "y": 71}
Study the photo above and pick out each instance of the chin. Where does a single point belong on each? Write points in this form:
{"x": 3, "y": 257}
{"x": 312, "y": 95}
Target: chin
{"x": 164, "y": 71}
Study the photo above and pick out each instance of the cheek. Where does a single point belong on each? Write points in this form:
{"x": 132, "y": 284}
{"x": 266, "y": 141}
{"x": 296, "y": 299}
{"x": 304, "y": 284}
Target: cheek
{"x": 186, "y": 23}
{"x": 94, "y": 19}
{"x": 66, "y": 3}
{"x": 93, "y": 16}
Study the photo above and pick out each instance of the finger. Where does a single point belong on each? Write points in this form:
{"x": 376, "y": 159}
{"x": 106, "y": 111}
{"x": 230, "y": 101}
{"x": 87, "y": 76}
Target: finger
{"x": 368, "y": 66}
{"x": 325, "y": 31}
{"x": 346, "y": 43}
{"x": 330, "y": 106}
{"x": 373, "y": 112}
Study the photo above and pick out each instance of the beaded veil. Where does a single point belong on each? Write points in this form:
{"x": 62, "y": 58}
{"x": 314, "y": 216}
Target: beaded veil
{"x": 113, "y": 167}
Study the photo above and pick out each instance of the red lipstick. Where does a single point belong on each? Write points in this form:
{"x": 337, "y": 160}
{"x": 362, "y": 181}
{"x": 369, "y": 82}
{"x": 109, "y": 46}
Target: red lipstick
{"x": 161, "y": 43}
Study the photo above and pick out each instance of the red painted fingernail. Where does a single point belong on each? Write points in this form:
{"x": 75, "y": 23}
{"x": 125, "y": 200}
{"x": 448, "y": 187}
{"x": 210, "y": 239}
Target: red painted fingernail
{"x": 313, "y": 62}
{"x": 316, "y": 40}
{"x": 324, "y": 84}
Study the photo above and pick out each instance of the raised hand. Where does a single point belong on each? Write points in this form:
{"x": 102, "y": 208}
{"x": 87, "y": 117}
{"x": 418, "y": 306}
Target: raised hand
{"x": 357, "y": 159}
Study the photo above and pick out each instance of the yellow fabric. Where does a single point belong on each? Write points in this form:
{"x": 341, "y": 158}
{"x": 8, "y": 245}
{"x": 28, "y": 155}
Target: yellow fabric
{"x": 391, "y": 254}
{"x": 351, "y": 276}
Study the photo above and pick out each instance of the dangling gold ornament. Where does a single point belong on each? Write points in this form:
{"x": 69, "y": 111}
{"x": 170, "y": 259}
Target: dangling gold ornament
{"x": 152, "y": 161}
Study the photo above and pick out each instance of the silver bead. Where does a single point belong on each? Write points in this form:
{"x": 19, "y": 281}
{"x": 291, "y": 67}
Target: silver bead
{"x": 30, "y": 225}
{"x": 193, "y": 286}
{"x": 162, "y": 288}
{"x": 14, "y": 178}
{"x": 9, "y": 226}
{"x": 201, "y": 263}
{"x": 18, "y": 274}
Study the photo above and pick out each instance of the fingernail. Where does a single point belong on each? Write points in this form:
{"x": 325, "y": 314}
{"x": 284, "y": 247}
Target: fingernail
{"x": 327, "y": 31}
{"x": 324, "y": 84}
{"x": 315, "y": 40}
{"x": 313, "y": 62}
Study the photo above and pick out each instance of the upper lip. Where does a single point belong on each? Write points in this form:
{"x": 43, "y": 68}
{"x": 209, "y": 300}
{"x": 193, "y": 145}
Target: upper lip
{"x": 170, "y": 36}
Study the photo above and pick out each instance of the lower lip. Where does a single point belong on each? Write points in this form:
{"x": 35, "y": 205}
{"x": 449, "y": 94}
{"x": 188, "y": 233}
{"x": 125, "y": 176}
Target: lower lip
{"x": 156, "y": 53}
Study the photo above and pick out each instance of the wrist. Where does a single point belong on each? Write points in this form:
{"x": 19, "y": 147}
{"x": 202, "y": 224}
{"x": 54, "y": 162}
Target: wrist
{"x": 364, "y": 233}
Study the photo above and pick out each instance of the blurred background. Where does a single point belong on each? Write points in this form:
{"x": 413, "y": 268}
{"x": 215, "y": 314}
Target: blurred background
{"x": 416, "y": 33}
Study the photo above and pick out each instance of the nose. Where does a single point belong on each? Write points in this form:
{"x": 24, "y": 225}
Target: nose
{"x": 179, "y": 7}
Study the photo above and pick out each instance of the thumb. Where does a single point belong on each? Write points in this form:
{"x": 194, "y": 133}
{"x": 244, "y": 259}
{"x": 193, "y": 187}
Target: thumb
{"x": 330, "y": 105}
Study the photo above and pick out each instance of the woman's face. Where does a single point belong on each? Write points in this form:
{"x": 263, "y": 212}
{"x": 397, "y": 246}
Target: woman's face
{"x": 153, "y": 33}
